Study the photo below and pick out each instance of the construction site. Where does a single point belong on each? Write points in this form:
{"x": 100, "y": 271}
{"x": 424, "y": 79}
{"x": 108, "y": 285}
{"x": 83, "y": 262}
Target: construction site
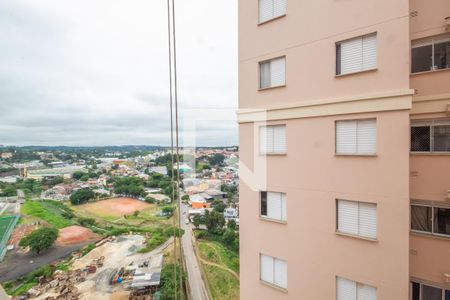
{"x": 113, "y": 270}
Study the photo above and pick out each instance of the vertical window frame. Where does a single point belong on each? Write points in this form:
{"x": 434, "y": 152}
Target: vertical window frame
{"x": 273, "y": 284}
{"x": 358, "y": 235}
{"x": 431, "y": 41}
{"x": 338, "y": 52}
{"x": 260, "y": 63}
{"x": 433, "y": 219}
{"x": 272, "y": 127}
{"x": 273, "y": 18}
{"x": 432, "y": 124}
{"x": 283, "y": 209}
{"x": 356, "y": 153}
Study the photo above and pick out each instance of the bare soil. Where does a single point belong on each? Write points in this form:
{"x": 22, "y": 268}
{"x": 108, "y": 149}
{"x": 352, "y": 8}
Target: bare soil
{"x": 73, "y": 235}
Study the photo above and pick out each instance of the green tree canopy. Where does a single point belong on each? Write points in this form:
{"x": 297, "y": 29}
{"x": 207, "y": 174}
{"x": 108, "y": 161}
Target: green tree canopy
{"x": 81, "y": 196}
{"x": 40, "y": 239}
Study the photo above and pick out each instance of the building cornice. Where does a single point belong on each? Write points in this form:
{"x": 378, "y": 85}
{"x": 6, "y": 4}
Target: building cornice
{"x": 397, "y": 100}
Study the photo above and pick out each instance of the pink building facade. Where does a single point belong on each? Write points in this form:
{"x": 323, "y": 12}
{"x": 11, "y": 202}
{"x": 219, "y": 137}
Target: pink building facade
{"x": 344, "y": 122}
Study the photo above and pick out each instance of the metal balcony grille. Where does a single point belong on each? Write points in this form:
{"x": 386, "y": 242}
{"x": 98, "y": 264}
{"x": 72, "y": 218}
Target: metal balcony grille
{"x": 430, "y": 138}
{"x": 421, "y": 138}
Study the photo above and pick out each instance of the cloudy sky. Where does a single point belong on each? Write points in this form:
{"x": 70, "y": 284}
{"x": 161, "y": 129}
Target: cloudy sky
{"x": 94, "y": 72}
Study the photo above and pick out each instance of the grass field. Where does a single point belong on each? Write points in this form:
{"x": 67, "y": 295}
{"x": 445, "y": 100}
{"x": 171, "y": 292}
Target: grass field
{"x": 5, "y": 224}
{"x": 221, "y": 267}
{"x": 49, "y": 211}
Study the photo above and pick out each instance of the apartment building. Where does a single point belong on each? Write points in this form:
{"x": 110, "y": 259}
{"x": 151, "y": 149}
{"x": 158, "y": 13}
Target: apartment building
{"x": 344, "y": 123}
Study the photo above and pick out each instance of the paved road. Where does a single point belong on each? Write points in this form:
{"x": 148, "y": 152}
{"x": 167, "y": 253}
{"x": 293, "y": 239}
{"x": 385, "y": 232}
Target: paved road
{"x": 196, "y": 283}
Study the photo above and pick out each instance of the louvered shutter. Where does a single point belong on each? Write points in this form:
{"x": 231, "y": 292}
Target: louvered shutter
{"x": 346, "y": 137}
{"x": 266, "y": 266}
{"x": 277, "y": 72}
{"x": 279, "y": 8}
{"x": 366, "y": 292}
{"x": 283, "y": 207}
{"x": 266, "y": 137}
{"x": 368, "y": 220}
{"x": 280, "y": 276}
{"x": 366, "y": 136}
{"x": 279, "y": 139}
{"x": 347, "y": 215}
{"x": 264, "y": 69}
{"x": 351, "y": 56}
{"x": 369, "y": 52}
{"x": 346, "y": 289}
{"x": 265, "y": 10}
{"x": 274, "y": 210}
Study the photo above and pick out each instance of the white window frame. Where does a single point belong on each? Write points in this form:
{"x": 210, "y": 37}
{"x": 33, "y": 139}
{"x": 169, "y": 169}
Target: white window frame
{"x": 273, "y": 272}
{"x": 260, "y": 87}
{"x": 357, "y": 283}
{"x": 273, "y": 152}
{"x": 339, "y": 57}
{"x": 274, "y": 17}
{"x": 421, "y": 283}
{"x": 432, "y": 206}
{"x": 432, "y": 124}
{"x": 356, "y": 153}
{"x": 358, "y": 235}
{"x": 427, "y": 42}
{"x": 283, "y": 207}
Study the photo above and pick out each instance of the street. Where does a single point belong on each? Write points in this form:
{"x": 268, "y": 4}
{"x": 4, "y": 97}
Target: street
{"x": 196, "y": 283}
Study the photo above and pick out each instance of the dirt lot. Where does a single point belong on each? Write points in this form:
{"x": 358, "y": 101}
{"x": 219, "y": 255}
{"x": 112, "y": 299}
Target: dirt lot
{"x": 116, "y": 207}
{"x": 73, "y": 235}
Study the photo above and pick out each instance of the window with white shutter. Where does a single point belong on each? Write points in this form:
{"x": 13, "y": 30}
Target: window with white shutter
{"x": 356, "y": 55}
{"x": 272, "y": 139}
{"x": 272, "y": 73}
{"x": 357, "y": 137}
{"x": 357, "y": 218}
{"x": 273, "y": 271}
{"x": 273, "y": 206}
{"x": 351, "y": 290}
{"x": 271, "y": 9}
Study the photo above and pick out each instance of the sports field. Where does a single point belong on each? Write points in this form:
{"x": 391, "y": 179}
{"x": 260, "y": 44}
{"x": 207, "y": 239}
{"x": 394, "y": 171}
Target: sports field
{"x": 116, "y": 207}
{"x": 5, "y": 227}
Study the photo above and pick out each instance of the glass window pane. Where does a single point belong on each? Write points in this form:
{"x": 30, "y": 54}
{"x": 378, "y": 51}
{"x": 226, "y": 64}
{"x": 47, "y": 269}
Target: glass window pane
{"x": 431, "y": 293}
{"x": 420, "y": 138}
{"x": 264, "y": 69}
{"x": 421, "y": 218}
{"x": 442, "y": 220}
{"x": 447, "y": 295}
{"x": 421, "y": 59}
{"x": 441, "y": 138}
{"x": 263, "y": 203}
{"x": 442, "y": 55}
{"x": 415, "y": 291}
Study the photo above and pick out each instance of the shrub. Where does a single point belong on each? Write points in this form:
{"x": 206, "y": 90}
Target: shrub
{"x": 40, "y": 239}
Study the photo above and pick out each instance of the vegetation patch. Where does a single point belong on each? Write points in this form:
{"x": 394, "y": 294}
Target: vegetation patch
{"x": 215, "y": 252}
{"x": 222, "y": 284}
{"x": 49, "y": 211}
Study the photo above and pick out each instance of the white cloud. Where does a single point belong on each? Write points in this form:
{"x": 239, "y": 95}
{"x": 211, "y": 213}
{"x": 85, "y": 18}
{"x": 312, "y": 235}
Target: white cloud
{"x": 81, "y": 72}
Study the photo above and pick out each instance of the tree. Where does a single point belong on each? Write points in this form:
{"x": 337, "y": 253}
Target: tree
{"x": 81, "y": 196}
{"x": 185, "y": 198}
{"x": 232, "y": 224}
{"x": 40, "y": 239}
{"x": 169, "y": 289}
{"x": 217, "y": 159}
{"x": 197, "y": 220}
{"x": 131, "y": 186}
{"x": 167, "y": 210}
{"x": 218, "y": 205}
{"x": 214, "y": 222}
{"x": 78, "y": 174}
{"x": 229, "y": 236}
